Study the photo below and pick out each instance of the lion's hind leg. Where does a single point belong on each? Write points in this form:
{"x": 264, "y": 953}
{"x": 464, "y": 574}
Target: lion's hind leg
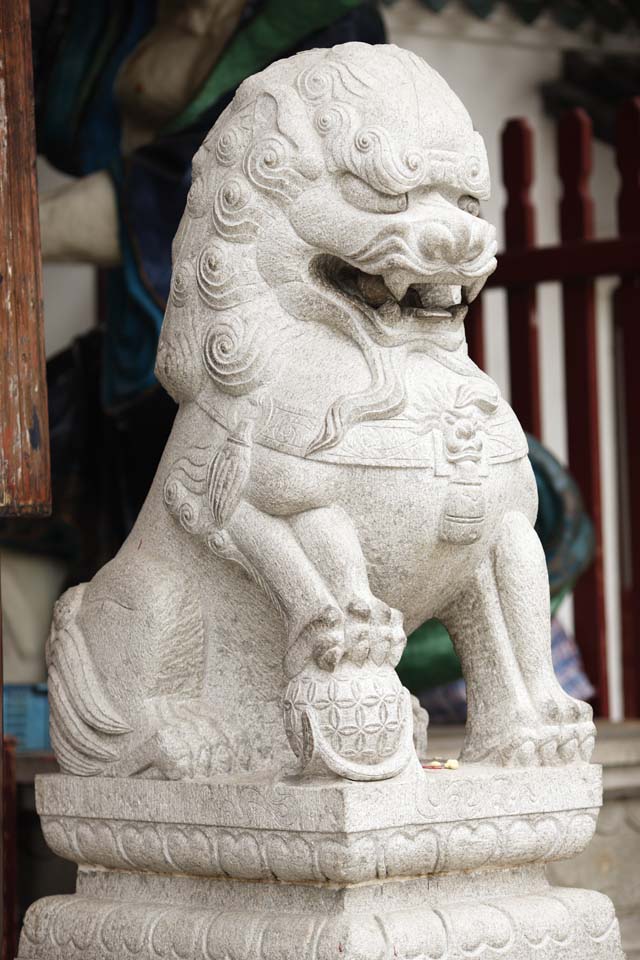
{"x": 126, "y": 669}
{"x": 502, "y": 724}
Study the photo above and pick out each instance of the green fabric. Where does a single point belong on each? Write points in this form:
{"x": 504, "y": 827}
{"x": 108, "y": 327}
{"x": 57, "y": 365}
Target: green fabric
{"x": 429, "y": 659}
{"x": 279, "y": 26}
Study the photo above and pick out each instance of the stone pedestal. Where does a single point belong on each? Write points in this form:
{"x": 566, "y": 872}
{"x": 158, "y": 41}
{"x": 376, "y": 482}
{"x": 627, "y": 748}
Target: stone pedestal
{"x": 610, "y": 862}
{"x": 433, "y": 864}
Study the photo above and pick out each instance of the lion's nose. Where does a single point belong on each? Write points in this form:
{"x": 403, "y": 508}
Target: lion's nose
{"x": 465, "y": 430}
{"x": 438, "y": 242}
{"x": 451, "y": 243}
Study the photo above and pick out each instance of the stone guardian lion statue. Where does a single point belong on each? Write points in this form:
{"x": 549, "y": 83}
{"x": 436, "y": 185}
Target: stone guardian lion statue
{"x": 339, "y": 470}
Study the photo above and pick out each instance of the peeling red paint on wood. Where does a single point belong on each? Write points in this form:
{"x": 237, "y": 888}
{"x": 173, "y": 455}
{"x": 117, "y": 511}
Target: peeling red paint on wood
{"x": 24, "y": 438}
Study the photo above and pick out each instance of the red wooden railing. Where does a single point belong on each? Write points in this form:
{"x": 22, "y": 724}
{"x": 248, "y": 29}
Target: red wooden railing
{"x": 626, "y": 316}
{"x": 575, "y": 263}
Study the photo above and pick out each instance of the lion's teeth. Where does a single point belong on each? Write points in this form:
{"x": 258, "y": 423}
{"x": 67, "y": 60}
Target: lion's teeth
{"x": 398, "y": 286}
{"x": 472, "y": 290}
{"x": 430, "y": 312}
{"x": 439, "y": 295}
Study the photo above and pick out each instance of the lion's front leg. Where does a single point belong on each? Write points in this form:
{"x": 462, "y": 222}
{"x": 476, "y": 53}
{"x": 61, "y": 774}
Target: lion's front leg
{"x": 521, "y": 577}
{"x": 372, "y": 628}
{"x": 517, "y": 711}
{"x": 278, "y": 562}
{"x": 312, "y": 566}
{"x": 345, "y": 711}
{"x": 502, "y": 724}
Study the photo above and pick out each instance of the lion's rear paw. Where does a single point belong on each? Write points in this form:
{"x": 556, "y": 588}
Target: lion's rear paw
{"x": 186, "y": 750}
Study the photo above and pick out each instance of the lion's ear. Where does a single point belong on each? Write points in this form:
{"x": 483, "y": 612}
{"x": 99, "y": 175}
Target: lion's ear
{"x": 265, "y": 114}
{"x": 282, "y": 110}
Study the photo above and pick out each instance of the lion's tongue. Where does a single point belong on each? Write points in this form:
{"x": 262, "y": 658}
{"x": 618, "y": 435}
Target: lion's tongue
{"x": 372, "y": 289}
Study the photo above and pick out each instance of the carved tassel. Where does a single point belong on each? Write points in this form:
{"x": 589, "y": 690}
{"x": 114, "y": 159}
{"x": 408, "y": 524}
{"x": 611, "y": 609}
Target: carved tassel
{"x": 228, "y": 473}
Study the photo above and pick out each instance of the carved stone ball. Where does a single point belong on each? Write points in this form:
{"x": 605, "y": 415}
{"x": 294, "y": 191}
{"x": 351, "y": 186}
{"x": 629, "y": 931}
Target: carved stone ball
{"x": 359, "y": 715}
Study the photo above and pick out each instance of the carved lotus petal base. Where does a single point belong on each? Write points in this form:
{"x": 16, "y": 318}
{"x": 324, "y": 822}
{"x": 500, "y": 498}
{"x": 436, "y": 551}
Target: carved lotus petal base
{"x": 196, "y": 921}
{"x": 432, "y": 865}
{"x": 424, "y": 822}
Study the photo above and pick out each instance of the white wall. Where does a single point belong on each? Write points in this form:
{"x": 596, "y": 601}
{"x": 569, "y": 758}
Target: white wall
{"x": 68, "y": 289}
{"x": 496, "y": 67}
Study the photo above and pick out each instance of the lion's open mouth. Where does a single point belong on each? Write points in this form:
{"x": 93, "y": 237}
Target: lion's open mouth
{"x": 394, "y": 304}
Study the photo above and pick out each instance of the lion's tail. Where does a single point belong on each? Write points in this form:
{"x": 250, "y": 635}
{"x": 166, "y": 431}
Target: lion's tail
{"x": 84, "y": 726}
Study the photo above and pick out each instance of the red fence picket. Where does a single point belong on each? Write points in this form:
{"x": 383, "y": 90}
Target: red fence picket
{"x": 519, "y": 224}
{"x": 626, "y": 316}
{"x": 581, "y": 384}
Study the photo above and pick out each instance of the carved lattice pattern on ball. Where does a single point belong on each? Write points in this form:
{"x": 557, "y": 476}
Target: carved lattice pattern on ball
{"x": 360, "y": 718}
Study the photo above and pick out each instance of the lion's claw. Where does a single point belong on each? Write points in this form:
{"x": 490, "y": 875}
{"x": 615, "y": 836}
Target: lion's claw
{"x": 373, "y": 631}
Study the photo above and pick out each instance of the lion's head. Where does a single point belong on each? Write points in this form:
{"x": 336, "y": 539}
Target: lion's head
{"x": 342, "y": 187}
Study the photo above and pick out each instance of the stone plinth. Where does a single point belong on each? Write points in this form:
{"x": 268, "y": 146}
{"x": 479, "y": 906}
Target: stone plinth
{"x": 610, "y": 862}
{"x": 432, "y": 864}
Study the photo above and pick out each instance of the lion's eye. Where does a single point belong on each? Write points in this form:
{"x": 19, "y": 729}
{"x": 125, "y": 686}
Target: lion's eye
{"x": 359, "y": 194}
{"x": 469, "y": 205}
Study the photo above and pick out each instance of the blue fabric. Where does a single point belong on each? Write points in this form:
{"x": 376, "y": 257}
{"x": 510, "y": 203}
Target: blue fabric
{"x": 78, "y": 121}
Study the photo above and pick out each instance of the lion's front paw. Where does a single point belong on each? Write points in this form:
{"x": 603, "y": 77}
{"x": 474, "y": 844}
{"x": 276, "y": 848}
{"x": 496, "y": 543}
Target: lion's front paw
{"x": 567, "y": 743}
{"x": 373, "y": 631}
{"x": 322, "y": 641}
{"x": 367, "y": 631}
{"x": 568, "y": 733}
{"x": 530, "y": 744}
{"x": 557, "y": 707}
